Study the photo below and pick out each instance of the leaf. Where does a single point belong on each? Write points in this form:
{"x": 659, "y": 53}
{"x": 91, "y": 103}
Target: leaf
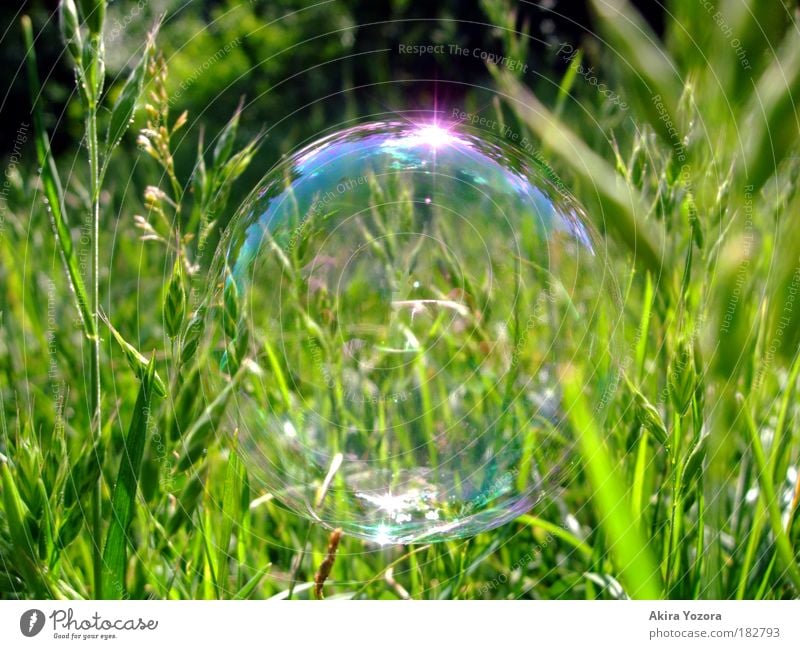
{"x": 647, "y": 415}
{"x": 757, "y": 27}
{"x": 210, "y": 582}
{"x": 125, "y": 105}
{"x": 188, "y": 500}
{"x": 136, "y": 360}
{"x": 191, "y": 335}
{"x": 568, "y": 81}
{"x": 232, "y": 512}
{"x": 225, "y": 140}
{"x": 124, "y": 497}
{"x": 53, "y": 190}
{"x": 250, "y": 587}
{"x": 174, "y": 308}
{"x": 93, "y": 13}
{"x": 196, "y": 438}
{"x": 772, "y": 118}
{"x": 200, "y": 188}
{"x": 620, "y": 205}
{"x": 554, "y": 530}
{"x": 185, "y": 405}
{"x": 299, "y": 588}
{"x": 681, "y": 378}
{"x": 70, "y": 29}
{"x": 45, "y": 515}
{"x": 639, "y": 476}
{"x": 504, "y": 15}
{"x": 653, "y": 74}
{"x": 631, "y": 552}
{"x": 230, "y": 303}
{"x": 22, "y": 544}
{"x": 644, "y": 325}
{"x": 766, "y": 480}
{"x": 83, "y": 473}
{"x": 693, "y": 468}
{"x": 93, "y": 74}
{"x": 70, "y": 527}
{"x": 229, "y": 172}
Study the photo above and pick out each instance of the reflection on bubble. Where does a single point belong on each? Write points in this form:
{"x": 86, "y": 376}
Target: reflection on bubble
{"x": 406, "y": 296}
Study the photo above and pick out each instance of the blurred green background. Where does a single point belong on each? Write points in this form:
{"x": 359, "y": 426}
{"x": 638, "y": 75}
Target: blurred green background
{"x": 301, "y": 66}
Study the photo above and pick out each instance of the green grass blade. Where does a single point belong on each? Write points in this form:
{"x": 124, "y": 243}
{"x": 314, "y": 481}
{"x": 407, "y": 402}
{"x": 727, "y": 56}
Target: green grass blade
{"x": 232, "y": 513}
{"x": 754, "y": 536}
{"x": 758, "y": 26}
{"x": 627, "y": 544}
{"x": 22, "y": 543}
{"x": 558, "y": 532}
{"x": 125, "y": 105}
{"x": 766, "y": 482}
{"x": 620, "y": 205}
{"x": 246, "y": 591}
{"x": 567, "y": 81}
{"x": 196, "y": 438}
{"x": 644, "y": 327}
{"x": 773, "y": 115}
{"x": 226, "y": 139}
{"x": 778, "y": 457}
{"x": 123, "y": 499}
{"x": 210, "y": 582}
{"x": 53, "y": 190}
{"x": 136, "y": 360}
{"x": 639, "y": 475}
{"x": 652, "y": 73}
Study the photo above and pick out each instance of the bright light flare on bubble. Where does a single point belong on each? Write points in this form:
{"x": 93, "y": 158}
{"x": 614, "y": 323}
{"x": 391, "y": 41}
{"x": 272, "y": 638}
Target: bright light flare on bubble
{"x": 435, "y": 135}
{"x": 396, "y": 303}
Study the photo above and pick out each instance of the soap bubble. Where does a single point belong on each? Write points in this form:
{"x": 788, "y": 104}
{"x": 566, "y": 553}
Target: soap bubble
{"x": 391, "y": 311}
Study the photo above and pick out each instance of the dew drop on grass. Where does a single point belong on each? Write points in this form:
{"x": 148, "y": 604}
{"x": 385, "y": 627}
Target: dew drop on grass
{"x": 411, "y": 294}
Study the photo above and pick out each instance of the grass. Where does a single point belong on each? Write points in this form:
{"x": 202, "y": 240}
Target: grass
{"x": 118, "y": 482}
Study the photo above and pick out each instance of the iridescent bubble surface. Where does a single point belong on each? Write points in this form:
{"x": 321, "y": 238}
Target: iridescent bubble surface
{"x": 395, "y": 304}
